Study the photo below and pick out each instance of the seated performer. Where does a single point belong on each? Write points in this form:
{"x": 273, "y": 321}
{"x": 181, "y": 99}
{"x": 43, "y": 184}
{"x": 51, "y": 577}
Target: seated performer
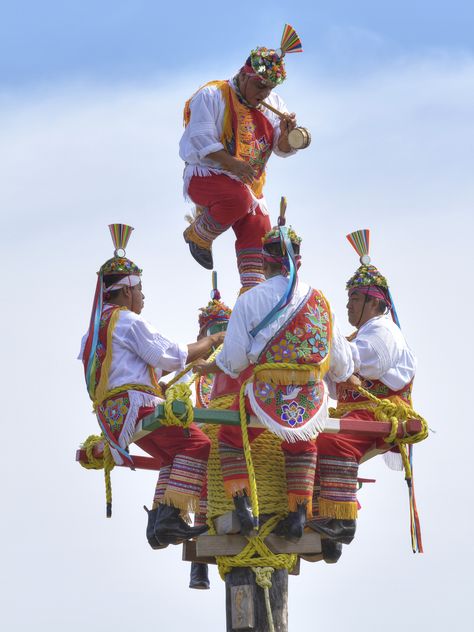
{"x": 278, "y": 322}
{"x": 212, "y": 319}
{"x": 124, "y": 357}
{"x": 386, "y": 367}
{"x": 227, "y": 142}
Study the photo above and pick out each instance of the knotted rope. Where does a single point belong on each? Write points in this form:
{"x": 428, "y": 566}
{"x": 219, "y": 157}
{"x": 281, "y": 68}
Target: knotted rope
{"x": 105, "y": 462}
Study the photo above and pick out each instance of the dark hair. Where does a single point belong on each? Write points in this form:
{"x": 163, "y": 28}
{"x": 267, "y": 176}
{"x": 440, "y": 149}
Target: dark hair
{"x": 275, "y": 250}
{"x": 109, "y": 280}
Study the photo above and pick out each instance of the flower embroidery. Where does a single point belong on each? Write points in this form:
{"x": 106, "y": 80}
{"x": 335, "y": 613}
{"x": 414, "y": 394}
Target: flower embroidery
{"x": 314, "y": 395}
{"x": 299, "y": 332}
{"x": 116, "y": 412}
{"x": 263, "y": 390}
{"x": 284, "y": 351}
{"x": 319, "y": 345}
{"x": 292, "y": 413}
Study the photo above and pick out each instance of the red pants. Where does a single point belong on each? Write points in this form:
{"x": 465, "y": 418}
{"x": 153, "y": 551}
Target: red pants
{"x": 228, "y": 202}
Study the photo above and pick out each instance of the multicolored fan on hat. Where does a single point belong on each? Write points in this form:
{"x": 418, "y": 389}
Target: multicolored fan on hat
{"x": 367, "y": 277}
{"x": 215, "y": 316}
{"x": 268, "y": 64}
{"x": 119, "y": 264}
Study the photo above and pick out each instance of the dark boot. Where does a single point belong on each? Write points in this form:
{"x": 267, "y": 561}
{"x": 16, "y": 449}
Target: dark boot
{"x": 334, "y": 528}
{"x": 170, "y": 528}
{"x": 243, "y": 509}
{"x": 291, "y": 528}
{"x": 202, "y": 255}
{"x": 199, "y": 578}
{"x": 150, "y": 529}
{"x": 331, "y": 550}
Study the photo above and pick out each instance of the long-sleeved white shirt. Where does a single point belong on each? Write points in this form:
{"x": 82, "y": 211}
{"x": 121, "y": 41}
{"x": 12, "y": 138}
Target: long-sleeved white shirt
{"x": 203, "y": 133}
{"x": 241, "y": 349}
{"x": 380, "y": 352}
{"x": 137, "y": 345}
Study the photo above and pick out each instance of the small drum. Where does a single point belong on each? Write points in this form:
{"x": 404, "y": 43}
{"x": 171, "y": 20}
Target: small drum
{"x": 299, "y": 138}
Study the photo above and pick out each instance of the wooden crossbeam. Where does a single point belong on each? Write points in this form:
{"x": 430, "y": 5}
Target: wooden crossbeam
{"x": 348, "y": 425}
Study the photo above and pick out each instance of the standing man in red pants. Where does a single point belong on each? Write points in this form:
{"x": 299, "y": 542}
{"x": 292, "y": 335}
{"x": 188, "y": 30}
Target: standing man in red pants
{"x": 228, "y": 140}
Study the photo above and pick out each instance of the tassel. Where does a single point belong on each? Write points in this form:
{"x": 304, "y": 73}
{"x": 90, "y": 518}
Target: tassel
{"x": 290, "y": 42}
{"x": 283, "y": 205}
{"x": 120, "y": 235}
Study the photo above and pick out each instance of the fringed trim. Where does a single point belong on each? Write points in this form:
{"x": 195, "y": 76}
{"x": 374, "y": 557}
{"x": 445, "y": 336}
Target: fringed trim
{"x": 185, "y": 502}
{"x": 309, "y": 431}
{"x": 237, "y": 486}
{"x": 137, "y": 400}
{"x": 285, "y": 377}
{"x": 298, "y": 499}
{"x": 333, "y": 509}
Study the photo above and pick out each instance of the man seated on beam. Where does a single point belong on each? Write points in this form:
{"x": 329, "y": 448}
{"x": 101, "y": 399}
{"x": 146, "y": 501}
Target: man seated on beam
{"x": 124, "y": 357}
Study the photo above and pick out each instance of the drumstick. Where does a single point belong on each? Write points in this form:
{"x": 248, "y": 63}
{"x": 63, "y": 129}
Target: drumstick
{"x": 275, "y": 111}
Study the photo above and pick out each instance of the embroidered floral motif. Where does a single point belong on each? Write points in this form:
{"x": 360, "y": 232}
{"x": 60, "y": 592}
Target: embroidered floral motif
{"x": 292, "y": 413}
{"x": 115, "y": 412}
{"x": 284, "y": 351}
{"x": 264, "y": 391}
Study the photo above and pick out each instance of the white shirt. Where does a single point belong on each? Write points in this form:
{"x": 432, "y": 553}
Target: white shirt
{"x": 202, "y": 135}
{"x": 380, "y": 352}
{"x": 136, "y": 345}
{"x": 241, "y": 349}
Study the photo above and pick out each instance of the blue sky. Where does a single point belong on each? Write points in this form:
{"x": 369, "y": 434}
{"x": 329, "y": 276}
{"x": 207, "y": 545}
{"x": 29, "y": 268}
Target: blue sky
{"x": 91, "y": 95}
{"x": 110, "y": 40}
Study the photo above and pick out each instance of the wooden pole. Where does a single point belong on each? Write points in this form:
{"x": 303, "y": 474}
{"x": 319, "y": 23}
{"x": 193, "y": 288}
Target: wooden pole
{"x": 245, "y": 601}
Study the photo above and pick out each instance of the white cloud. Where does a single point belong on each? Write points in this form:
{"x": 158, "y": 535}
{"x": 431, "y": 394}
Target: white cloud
{"x": 391, "y": 151}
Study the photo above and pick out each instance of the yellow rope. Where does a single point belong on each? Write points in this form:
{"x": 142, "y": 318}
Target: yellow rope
{"x": 393, "y": 411}
{"x": 182, "y": 392}
{"x": 263, "y": 577}
{"x": 257, "y": 554}
{"x": 105, "y": 462}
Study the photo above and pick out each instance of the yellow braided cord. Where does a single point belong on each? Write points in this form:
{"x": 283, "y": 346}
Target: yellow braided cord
{"x": 247, "y": 451}
{"x": 182, "y": 392}
{"x": 263, "y": 577}
{"x": 143, "y": 388}
{"x": 287, "y": 372}
{"x": 394, "y": 412}
{"x": 269, "y": 465}
{"x": 189, "y": 366}
{"x": 224, "y": 402}
{"x": 105, "y": 462}
{"x": 257, "y": 554}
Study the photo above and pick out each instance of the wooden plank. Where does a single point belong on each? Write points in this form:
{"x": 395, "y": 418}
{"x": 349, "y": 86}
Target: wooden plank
{"x": 213, "y": 545}
{"x": 189, "y": 554}
{"x": 227, "y": 523}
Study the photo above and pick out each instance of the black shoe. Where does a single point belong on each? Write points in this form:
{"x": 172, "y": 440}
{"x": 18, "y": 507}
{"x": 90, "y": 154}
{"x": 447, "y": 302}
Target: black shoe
{"x": 334, "y": 528}
{"x": 331, "y": 550}
{"x": 202, "y": 255}
{"x": 170, "y": 528}
{"x": 291, "y": 528}
{"x": 243, "y": 509}
{"x": 199, "y": 578}
{"x": 150, "y": 529}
